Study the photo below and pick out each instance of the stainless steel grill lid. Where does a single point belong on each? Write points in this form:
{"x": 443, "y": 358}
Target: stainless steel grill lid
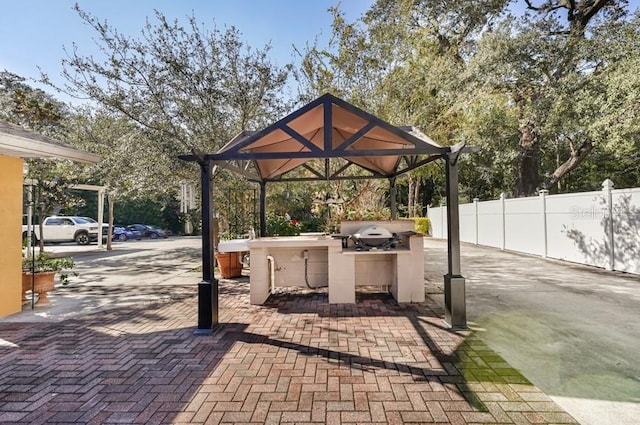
{"x": 373, "y": 236}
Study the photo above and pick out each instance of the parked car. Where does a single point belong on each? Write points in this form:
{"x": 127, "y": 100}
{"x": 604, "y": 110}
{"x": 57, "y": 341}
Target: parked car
{"x": 56, "y": 229}
{"x": 120, "y": 233}
{"x": 130, "y": 234}
{"x": 149, "y": 231}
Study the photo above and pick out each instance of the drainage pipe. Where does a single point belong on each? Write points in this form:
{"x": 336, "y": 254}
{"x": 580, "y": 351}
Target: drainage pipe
{"x": 272, "y": 272}
{"x": 305, "y": 255}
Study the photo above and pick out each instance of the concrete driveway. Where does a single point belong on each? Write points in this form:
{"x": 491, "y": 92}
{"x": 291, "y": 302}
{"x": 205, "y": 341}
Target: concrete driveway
{"x": 574, "y": 331}
{"x": 145, "y": 271}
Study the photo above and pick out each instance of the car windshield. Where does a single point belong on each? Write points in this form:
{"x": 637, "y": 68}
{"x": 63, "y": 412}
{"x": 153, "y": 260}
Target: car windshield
{"x": 85, "y": 220}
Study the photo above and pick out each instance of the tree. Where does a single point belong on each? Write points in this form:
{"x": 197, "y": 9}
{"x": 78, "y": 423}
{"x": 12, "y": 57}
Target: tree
{"x": 185, "y": 87}
{"x": 181, "y": 88}
{"x": 543, "y": 63}
{"x": 49, "y": 179}
{"x": 404, "y": 62}
{"x": 529, "y": 89}
{"x": 124, "y": 170}
{"x": 29, "y": 107}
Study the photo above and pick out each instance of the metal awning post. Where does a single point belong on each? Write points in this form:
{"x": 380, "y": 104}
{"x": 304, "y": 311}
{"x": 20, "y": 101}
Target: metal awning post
{"x": 208, "y": 287}
{"x": 30, "y": 229}
{"x": 101, "y": 192}
{"x": 454, "y": 282}
{"x": 263, "y": 209}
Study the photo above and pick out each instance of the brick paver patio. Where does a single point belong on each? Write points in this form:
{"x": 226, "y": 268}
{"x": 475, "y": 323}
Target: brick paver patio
{"x": 295, "y": 360}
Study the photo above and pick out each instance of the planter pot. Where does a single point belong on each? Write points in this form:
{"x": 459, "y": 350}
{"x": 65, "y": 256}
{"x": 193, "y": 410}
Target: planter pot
{"x": 229, "y": 264}
{"x": 43, "y": 282}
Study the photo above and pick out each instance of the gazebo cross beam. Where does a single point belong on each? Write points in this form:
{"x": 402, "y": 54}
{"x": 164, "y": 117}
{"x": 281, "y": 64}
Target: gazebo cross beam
{"x": 256, "y": 155}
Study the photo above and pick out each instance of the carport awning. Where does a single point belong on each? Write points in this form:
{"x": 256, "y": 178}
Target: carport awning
{"x": 18, "y": 142}
{"x": 330, "y": 129}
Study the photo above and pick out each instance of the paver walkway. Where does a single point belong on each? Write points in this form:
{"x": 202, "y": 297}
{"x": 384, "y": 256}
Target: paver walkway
{"x": 294, "y": 360}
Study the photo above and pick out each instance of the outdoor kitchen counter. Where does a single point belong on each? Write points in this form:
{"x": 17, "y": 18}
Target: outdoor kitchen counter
{"x": 401, "y": 270}
{"x": 293, "y": 241}
{"x": 322, "y": 261}
{"x": 279, "y": 261}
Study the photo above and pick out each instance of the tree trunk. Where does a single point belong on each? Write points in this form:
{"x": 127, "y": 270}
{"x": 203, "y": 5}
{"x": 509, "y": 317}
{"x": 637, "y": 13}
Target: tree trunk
{"x": 527, "y": 163}
{"x": 416, "y": 196}
{"x": 410, "y": 194}
{"x": 577, "y": 156}
{"x": 427, "y": 196}
{"x": 41, "y": 229}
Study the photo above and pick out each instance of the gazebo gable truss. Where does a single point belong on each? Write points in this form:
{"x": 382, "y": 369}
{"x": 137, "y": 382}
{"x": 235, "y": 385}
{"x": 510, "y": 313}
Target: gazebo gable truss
{"x": 327, "y": 139}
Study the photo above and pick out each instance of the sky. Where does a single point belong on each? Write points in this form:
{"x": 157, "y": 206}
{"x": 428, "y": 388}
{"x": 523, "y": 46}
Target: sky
{"x": 33, "y": 32}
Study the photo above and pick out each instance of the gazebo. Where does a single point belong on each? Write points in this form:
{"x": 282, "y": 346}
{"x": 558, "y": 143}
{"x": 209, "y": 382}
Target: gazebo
{"x": 326, "y": 140}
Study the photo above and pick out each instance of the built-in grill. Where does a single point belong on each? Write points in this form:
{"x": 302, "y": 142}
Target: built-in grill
{"x": 373, "y": 237}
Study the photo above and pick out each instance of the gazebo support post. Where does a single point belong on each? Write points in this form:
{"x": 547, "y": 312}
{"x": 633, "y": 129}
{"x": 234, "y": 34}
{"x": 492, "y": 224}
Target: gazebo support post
{"x": 392, "y": 198}
{"x": 454, "y": 282}
{"x": 208, "y": 287}
{"x": 263, "y": 209}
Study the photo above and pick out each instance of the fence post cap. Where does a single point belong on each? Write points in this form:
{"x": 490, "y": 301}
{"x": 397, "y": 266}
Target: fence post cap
{"x": 607, "y": 184}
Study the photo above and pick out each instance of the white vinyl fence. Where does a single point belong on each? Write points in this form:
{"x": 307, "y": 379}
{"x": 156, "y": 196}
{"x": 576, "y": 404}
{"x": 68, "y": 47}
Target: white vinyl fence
{"x": 599, "y": 229}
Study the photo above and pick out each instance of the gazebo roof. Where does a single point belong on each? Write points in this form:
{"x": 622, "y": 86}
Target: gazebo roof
{"x": 331, "y": 129}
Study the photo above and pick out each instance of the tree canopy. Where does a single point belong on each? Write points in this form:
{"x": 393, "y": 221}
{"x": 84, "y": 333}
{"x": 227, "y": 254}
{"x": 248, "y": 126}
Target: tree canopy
{"x": 543, "y": 91}
{"x": 189, "y": 87}
{"x": 171, "y": 90}
{"x": 548, "y": 88}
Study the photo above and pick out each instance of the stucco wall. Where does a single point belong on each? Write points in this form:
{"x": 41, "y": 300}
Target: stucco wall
{"x": 10, "y": 234}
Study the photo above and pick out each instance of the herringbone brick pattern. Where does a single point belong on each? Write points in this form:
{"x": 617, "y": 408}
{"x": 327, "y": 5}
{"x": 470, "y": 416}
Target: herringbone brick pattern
{"x": 296, "y": 359}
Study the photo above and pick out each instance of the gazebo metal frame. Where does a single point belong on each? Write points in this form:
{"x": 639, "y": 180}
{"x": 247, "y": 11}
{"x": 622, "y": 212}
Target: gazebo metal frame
{"x": 327, "y": 129}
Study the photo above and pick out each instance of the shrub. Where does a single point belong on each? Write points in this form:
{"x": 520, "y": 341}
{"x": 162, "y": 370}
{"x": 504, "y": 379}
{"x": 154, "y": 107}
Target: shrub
{"x": 422, "y": 225}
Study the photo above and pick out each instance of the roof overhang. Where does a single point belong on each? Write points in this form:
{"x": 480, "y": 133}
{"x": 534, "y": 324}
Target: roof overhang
{"x": 18, "y": 142}
{"x": 325, "y": 129}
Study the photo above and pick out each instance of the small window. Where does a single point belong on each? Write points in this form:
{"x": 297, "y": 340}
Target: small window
{"x": 84, "y": 220}
{"x": 67, "y": 222}
{"x": 54, "y": 222}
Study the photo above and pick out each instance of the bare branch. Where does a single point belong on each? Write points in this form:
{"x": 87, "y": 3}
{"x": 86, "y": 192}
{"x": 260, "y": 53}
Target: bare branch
{"x": 570, "y": 164}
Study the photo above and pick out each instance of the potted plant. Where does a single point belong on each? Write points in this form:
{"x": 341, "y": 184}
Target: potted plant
{"x": 38, "y": 274}
{"x": 229, "y": 263}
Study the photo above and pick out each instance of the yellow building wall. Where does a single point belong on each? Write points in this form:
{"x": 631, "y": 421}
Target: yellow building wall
{"x": 10, "y": 235}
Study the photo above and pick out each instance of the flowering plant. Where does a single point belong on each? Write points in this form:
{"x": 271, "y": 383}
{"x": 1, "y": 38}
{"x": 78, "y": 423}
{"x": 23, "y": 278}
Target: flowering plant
{"x": 282, "y": 226}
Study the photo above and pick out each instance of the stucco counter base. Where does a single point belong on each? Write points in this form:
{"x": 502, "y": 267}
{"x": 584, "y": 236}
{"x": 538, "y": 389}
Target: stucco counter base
{"x": 281, "y": 262}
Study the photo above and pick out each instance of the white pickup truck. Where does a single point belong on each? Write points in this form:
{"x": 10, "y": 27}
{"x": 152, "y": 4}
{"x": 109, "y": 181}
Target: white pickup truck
{"x": 82, "y": 230}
